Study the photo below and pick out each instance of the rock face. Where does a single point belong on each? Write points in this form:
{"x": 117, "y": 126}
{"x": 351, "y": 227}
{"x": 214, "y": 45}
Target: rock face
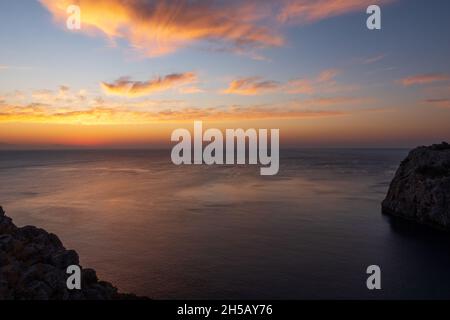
{"x": 33, "y": 266}
{"x": 420, "y": 190}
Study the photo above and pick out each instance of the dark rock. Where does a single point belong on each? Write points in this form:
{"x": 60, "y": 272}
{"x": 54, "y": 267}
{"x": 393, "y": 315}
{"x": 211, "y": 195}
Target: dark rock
{"x": 37, "y": 290}
{"x": 33, "y": 266}
{"x": 420, "y": 190}
{"x": 6, "y": 225}
{"x": 89, "y": 276}
{"x": 6, "y": 242}
{"x": 65, "y": 258}
{"x": 11, "y": 273}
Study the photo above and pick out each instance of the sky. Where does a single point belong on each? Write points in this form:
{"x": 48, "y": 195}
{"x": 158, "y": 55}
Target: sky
{"x": 138, "y": 69}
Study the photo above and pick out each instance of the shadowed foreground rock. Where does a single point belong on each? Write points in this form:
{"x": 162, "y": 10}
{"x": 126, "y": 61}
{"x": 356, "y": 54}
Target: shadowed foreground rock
{"x": 33, "y": 266}
{"x": 420, "y": 190}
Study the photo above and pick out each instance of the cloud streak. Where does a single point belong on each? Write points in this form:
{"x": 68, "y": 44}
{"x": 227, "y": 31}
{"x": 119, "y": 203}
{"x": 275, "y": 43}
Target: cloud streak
{"x": 443, "y": 103}
{"x": 160, "y": 27}
{"x": 422, "y": 79}
{"x": 104, "y": 115}
{"x": 127, "y": 88}
{"x": 309, "y": 11}
{"x": 324, "y": 83}
{"x": 114, "y": 116}
{"x": 251, "y": 86}
{"x": 374, "y": 59}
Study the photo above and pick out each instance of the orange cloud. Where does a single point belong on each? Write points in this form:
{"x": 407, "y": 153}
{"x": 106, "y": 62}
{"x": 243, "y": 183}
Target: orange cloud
{"x": 127, "y": 88}
{"x": 120, "y": 116}
{"x": 310, "y": 86}
{"x": 324, "y": 83}
{"x": 443, "y": 103}
{"x": 191, "y": 90}
{"x": 162, "y": 27}
{"x": 308, "y": 11}
{"x": 63, "y": 96}
{"x": 424, "y": 79}
{"x": 251, "y": 86}
{"x": 335, "y": 101}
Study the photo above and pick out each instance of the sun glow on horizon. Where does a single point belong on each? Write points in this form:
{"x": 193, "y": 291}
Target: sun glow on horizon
{"x": 136, "y": 70}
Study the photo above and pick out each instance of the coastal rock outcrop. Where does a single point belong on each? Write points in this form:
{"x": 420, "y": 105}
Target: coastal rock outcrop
{"x": 420, "y": 190}
{"x": 33, "y": 266}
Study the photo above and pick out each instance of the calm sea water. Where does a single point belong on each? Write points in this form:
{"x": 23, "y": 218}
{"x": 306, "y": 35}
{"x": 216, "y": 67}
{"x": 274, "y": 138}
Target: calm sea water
{"x": 164, "y": 231}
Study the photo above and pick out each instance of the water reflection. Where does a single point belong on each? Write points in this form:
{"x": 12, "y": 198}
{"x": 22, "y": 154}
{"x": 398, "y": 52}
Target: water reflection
{"x": 226, "y": 232}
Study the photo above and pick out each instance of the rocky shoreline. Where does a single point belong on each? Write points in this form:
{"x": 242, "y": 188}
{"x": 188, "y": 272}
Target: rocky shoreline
{"x": 420, "y": 190}
{"x": 33, "y": 266}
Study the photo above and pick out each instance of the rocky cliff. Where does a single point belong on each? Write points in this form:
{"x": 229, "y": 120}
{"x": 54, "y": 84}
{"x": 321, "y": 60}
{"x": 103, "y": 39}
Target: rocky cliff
{"x": 33, "y": 266}
{"x": 420, "y": 190}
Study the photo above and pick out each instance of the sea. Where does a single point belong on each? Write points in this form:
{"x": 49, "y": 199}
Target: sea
{"x": 226, "y": 232}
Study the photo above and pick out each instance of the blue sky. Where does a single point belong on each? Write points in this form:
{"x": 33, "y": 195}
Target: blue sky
{"x": 39, "y": 54}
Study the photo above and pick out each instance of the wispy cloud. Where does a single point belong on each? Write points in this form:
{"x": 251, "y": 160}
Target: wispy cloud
{"x": 324, "y": 82}
{"x": 161, "y": 27}
{"x": 128, "y": 88}
{"x": 19, "y": 68}
{"x": 374, "y": 59}
{"x": 251, "y": 86}
{"x": 443, "y": 103}
{"x": 121, "y": 116}
{"x": 191, "y": 90}
{"x": 64, "y": 95}
{"x": 68, "y": 106}
{"x": 321, "y": 83}
{"x": 308, "y": 11}
{"x": 15, "y": 95}
{"x": 422, "y": 79}
{"x": 335, "y": 101}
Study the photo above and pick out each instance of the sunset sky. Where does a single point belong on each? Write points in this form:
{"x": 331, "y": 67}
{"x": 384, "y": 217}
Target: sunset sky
{"x": 138, "y": 69}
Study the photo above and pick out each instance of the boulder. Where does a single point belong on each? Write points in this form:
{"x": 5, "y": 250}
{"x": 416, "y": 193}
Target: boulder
{"x": 420, "y": 190}
{"x": 33, "y": 266}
